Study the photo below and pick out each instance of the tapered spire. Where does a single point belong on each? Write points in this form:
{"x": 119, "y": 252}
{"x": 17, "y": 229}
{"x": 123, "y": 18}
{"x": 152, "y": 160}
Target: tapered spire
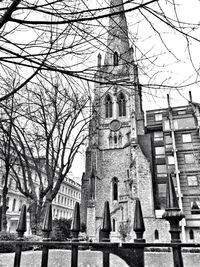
{"x": 117, "y": 40}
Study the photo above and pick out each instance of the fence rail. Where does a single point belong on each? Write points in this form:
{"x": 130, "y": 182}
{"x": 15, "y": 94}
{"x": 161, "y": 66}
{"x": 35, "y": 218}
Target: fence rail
{"x": 131, "y": 253}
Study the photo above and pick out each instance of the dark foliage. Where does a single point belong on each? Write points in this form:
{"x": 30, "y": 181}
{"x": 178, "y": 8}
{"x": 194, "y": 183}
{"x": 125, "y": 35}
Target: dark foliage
{"x": 61, "y": 229}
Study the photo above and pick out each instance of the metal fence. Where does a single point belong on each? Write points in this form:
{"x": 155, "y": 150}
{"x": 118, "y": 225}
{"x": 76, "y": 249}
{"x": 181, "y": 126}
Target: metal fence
{"x": 131, "y": 253}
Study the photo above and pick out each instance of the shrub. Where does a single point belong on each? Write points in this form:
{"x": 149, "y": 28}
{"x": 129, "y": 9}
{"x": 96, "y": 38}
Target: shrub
{"x": 5, "y": 236}
{"x": 83, "y": 227}
{"x": 32, "y": 238}
{"x": 124, "y": 229}
{"x": 61, "y": 229}
{"x": 9, "y": 247}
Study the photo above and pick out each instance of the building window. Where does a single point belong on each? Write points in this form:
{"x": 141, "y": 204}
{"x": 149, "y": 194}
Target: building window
{"x": 162, "y": 190}
{"x": 166, "y": 125}
{"x": 161, "y": 168}
{"x": 195, "y": 207}
{"x": 191, "y": 234}
{"x": 122, "y": 105}
{"x": 158, "y": 136}
{"x": 160, "y": 151}
{"x": 170, "y": 160}
{"x": 168, "y": 140}
{"x": 156, "y": 234}
{"x": 189, "y": 158}
{"x": 192, "y": 180}
{"x": 108, "y": 106}
{"x": 115, "y": 59}
{"x": 187, "y": 138}
{"x": 14, "y": 204}
{"x": 158, "y": 117}
{"x": 115, "y": 189}
{"x": 115, "y": 139}
{"x": 128, "y": 173}
{"x": 20, "y": 204}
{"x": 10, "y": 183}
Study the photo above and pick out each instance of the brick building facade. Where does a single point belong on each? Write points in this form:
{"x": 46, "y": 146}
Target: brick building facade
{"x": 126, "y": 160}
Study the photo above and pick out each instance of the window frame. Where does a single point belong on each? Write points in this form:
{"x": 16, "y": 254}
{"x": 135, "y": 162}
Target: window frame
{"x": 190, "y": 184}
{"x": 115, "y": 59}
{"x": 108, "y": 107}
{"x": 115, "y": 190}
{"x": 186, "y": 160}
{"x": 158, "y": 117}
{"x": 184, "y": 136}
{"x": 121, "y": 100}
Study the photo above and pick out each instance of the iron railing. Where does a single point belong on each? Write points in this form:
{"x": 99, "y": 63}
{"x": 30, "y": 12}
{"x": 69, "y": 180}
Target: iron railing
{"x": 131, "y": 253}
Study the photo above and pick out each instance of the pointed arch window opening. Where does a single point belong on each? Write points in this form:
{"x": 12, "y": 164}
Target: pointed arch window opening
{"x": 115, "y": 189}
{"x": 110, "y": 140}
{"x": 108, "y": 106}
{"x": 115, "y": 59}
{"x": 92, "y": 187}
{"x": 120, "y": 138}
{"x": 122, "y": 105}
{"x": 115, "y": 139}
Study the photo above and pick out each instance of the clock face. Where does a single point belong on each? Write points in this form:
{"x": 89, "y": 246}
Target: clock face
{"x": 115, "y": 125}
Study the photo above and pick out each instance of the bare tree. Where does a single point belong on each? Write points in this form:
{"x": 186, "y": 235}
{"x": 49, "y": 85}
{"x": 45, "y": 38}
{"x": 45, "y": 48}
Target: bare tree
{"x": 51, "y": 126}
{"x": 62, "y": 35}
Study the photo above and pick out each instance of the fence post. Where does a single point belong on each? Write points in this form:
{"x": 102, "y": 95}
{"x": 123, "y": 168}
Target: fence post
{"x": 174, "y": 215}
{"x": 106, "y": 229}
{"x": 21, "y": 229}
{"x": 46, "y": 229}
{"x": 139, "y": 229}
{"x": 75, "y": 229}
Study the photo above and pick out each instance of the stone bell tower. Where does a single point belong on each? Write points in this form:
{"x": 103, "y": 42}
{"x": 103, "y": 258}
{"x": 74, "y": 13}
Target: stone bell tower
{"x": 117, "y": 168}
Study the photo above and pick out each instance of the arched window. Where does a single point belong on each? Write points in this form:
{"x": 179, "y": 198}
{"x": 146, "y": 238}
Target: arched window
{"x": 115, "y": 188}
{"x": 92, "y": 186}
{"x": 115, "y": 59}
{"x": 113, "y": 225}
{"x": 110, "y": 139}
{"x": 122, "y": 105}
{"x": 115, "y": 139}
{"x": 156, "y": 235}
{"x": 191, "y": 234}
{"x": 108, "y": 105}
{"x": 14, "y": 204}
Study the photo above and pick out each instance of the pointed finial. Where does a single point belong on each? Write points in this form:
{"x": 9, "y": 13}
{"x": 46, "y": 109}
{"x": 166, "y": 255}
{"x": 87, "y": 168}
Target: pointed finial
{"x": 106, "y": 229}
{"x": 76, "y": 223}
{"x": 171, "y": 198}
{"x": 106, "y": 217}
{"x": 138, "y": 227}
{"x": 21, "y": 227}
{"x": 47, "y": 223}
{"x": 172, "y": 212}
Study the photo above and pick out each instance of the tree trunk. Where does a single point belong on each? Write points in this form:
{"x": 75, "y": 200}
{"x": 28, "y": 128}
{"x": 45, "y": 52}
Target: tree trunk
{"x": 33, "y": 217}
{"x": 4, "y": 207}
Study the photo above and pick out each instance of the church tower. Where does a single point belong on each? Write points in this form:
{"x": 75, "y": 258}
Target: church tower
{"x": 118, "y": 161}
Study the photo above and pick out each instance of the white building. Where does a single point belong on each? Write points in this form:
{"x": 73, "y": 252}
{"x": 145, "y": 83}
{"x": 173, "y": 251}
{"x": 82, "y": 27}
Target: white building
{"x": 62, "y": 206}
